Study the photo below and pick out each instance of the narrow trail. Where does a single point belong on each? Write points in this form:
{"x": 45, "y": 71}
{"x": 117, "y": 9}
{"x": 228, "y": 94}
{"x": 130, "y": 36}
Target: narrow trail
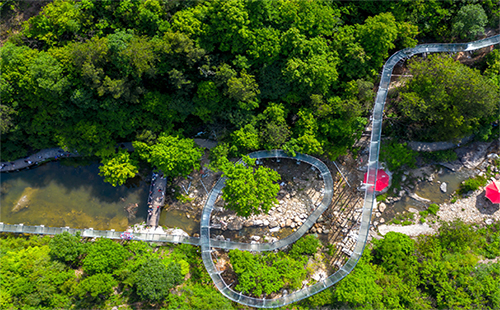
{"x": 369, "y": 202}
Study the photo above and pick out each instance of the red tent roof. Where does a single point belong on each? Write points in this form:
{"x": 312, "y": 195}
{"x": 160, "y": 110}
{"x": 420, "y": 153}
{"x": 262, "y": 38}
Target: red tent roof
{"x": 493, "y": 192}
{"x": 382, "y": 180}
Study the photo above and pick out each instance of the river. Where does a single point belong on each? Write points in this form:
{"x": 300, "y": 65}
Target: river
{"x": 71, "y": 193}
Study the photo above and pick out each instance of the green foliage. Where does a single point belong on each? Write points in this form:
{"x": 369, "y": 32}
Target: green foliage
{"x": 395, "y": 251}
{"x": 66, "y": 247}
{"x": 396, "y": 155}
{"x": 97, "y": 285}
{"x": 439, "y": 156}
{"x": 249, "y": 190}
{"x": 266, "y": 274}
{"x": 446, "y": 100}
{"x": 433, "y": 208}
{"x": 118, "y": 168}
{"x": 104, "y": 256}
{"x": 173, "y": 155}
{"x": 458, "y": 237}
{"x": 306, "y": 245}
{"x": 153, "y": 279}
{"x": 471, "y": 184}
{"x": 198, "y": 296}
{"x": 470, "y": 21}
{"x": 30, "y": 278}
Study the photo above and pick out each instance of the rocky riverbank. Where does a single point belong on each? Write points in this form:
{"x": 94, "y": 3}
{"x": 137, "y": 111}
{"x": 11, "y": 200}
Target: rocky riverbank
{"x": 298, "y": 197}
{"x": 473, "y": 207}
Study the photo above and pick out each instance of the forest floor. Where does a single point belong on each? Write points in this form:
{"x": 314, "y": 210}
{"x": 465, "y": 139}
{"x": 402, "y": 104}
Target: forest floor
{"x": 15, "y": 14}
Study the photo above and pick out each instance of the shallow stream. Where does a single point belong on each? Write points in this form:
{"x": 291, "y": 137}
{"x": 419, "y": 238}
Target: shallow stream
{"x": 70, "y": 193}
{"x": 431, "y": 191}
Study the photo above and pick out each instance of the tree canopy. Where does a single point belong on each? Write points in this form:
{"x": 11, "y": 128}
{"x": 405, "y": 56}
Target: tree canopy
{"x": 249, "y": 189}
{"x": 173, "y": 155}
{"x": 446, "y": 100}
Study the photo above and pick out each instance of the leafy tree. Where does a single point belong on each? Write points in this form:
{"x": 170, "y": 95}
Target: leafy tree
{"x": 173, "y": 155}
{"x": 360, "y": 288}
{"x": 97, "y": 285}
{"x": 60, "y": 21}
{"x": 254, "y": 276}
{"x": 246, "y": 139}
{"x": 395, "y": 252}
{"x": 118, "y": 168}
{"x": 274, "y": 129}
{"x": 31, "y": 279}
{"x": 470, "y": 21}
{"x": 314, "y": 74}
{"x": 104, "y": 256}
{"x": 396, "y": 155}
{"x": 446, "y": 100}
{"x": 305, "y": 245}
{"x": 207, "y": 100}
{"x": 66, "y": 247}
{"x": 153, "y": 279}
{"x": 249, "y": 190}
{"x": 377, "y": 36}
{"x": 307, "y": 128}
{"x": 196, "y": 296}
{"x": 244, "y": 90}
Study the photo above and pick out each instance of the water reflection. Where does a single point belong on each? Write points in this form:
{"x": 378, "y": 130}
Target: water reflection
{"x": 70, "y": 193}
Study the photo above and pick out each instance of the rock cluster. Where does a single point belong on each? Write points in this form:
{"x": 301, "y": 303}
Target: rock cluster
{"x": 299, "y": 199}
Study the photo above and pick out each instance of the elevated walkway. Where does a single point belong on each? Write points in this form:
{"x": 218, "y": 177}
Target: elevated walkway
{"x": 156, "y": 198}
{"x": 369, "y": 202}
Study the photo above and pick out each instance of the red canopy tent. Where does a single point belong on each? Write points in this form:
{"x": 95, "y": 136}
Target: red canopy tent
{"x": 493, "y": 192}
{"x": 382, "y": 180}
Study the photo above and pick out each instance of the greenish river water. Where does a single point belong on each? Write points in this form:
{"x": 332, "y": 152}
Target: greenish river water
{"x": 71, "y": 193}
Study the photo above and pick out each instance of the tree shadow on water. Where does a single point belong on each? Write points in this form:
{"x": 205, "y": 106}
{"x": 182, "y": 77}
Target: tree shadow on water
{"x": 73, "y": 177}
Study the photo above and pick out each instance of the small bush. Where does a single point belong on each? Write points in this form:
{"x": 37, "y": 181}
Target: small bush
{"x": 422, "y": 220}
{"x": 306, "y": 245}
{"x": 423, "y": 214}
{"x": 397, "y": 155}
{"x": 472, "y": 184}
{"x": 407, "y": 222}
{"x": 433, "y": 208}
{"x": 439, "y": 156}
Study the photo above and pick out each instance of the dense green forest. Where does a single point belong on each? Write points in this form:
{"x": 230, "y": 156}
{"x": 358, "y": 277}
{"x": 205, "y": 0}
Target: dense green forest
{"x": 449, "y": 270}
{"x": 297, "y": 75}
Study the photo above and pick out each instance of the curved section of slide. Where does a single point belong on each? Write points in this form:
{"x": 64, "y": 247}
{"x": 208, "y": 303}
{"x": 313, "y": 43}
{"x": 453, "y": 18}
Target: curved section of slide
{"x": 370, "y": 200}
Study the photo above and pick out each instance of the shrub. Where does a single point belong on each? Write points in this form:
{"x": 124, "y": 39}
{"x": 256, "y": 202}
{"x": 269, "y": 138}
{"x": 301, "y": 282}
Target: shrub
{"x": 153, "y": 280}
{"x": 407, "y": 222}
{"x": 397, "y": 155}
{"x": 472, "y": 184}
{"x": 433, "y": 208}
{"x": 458, "y": 237}
{"x": 439, "y": 156}
{"x": 104, "y": 256}
{"x": 423, "y": 214}
{"x": 306, "y": 245}
{"x": 65, "y": 247}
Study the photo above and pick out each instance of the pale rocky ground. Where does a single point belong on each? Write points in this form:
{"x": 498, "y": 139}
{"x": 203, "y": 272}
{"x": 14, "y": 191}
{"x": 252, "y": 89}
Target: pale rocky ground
{"x": 474, "y": 207}
{"x": 301, "y": 191}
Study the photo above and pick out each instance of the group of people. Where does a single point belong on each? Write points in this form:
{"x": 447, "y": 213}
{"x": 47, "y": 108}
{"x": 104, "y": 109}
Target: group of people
{"x": 151, "y": 209}
{"x": 40, "y": 159}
